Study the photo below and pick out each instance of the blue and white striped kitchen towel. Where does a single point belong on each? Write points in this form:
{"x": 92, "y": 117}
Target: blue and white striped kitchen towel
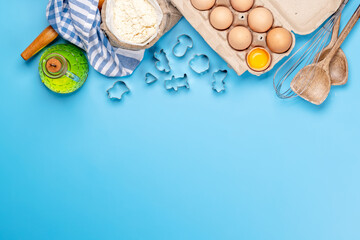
{"x": 78, "y": 21}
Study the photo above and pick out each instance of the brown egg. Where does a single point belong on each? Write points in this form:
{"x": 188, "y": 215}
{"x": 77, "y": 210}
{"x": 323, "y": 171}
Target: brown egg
{"x": 242, "y": 5}
{"x": 260, "y": 19}
{"x": 221, "y": 18}
{"x": 203, "y": 4}
{"x": 279, "y": 40}
{"x": 240, "y": 38}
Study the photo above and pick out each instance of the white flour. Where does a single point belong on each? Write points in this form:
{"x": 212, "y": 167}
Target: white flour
{"x": 133, "y": 21}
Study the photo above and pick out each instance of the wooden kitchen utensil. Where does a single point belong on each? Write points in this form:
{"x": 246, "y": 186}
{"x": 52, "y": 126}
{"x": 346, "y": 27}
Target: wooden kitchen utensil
{"x": 313, "y": 82}
{"x": 339, "y": 70}
{"x": 44, "y": 39}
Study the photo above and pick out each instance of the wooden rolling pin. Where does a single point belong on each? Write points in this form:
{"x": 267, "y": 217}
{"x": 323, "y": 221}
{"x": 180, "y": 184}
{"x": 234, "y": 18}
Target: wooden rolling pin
{"x": 44, "y": 39}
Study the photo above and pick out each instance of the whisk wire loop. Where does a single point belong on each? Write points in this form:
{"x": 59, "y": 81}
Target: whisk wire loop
{"x": 304, "y": 56}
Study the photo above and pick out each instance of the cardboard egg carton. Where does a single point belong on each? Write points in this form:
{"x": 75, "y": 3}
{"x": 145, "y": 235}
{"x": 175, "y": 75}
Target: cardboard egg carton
{"x": 298, "y": 16}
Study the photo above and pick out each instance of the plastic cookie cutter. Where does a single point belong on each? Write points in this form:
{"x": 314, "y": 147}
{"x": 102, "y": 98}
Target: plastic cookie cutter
{"x": 218, "y": 83}
{"x": 200, "y": 63}
{"x": 117, "y": 91}
{"x": 150, "y": 78}
{"x": 184, "y": 43}
{"x": 162, "y": 62}
{"x": 177, "y": 82}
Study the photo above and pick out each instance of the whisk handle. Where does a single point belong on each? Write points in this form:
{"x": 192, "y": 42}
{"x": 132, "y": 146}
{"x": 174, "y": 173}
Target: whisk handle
{"x": 349, "y": 26}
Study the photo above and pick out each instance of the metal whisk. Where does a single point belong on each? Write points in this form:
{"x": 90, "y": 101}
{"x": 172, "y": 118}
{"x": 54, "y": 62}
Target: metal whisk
{"x": 306, "y": 55}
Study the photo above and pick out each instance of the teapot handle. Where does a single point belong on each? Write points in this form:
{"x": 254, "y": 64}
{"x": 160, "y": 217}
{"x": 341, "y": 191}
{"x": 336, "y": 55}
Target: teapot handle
{"x": 72, "y": 76}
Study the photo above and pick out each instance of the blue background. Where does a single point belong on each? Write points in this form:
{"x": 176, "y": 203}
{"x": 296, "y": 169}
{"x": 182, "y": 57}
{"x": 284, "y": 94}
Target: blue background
{"x": 165, "y": 165}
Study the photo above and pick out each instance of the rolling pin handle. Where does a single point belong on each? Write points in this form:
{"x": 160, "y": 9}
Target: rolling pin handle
{"x": 44, "y": 39}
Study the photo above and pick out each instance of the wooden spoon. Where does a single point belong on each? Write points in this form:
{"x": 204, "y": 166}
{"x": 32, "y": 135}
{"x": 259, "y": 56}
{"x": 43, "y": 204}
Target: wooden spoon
{"x": 313, "y": 82}
{"x": 339, "y": 69}
{"x": 44, "y": 39}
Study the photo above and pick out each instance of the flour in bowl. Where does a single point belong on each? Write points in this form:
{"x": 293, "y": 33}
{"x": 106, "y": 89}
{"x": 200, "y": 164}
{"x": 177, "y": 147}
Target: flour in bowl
{"x": 132, "y": 21}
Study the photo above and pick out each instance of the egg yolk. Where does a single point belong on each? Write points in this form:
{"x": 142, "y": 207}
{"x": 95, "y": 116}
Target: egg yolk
{"x": 258, "y": 59}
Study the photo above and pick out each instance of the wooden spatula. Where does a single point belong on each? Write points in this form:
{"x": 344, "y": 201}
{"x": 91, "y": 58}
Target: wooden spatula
{"x": 44, "y": 39}
{"x": 313, "y": 82}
